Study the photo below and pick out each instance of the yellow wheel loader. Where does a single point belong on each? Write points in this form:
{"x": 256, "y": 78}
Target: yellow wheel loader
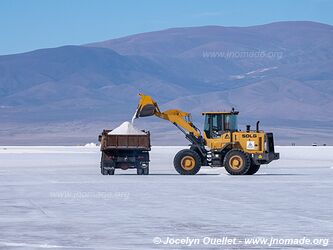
{"x": 221, "y": 144}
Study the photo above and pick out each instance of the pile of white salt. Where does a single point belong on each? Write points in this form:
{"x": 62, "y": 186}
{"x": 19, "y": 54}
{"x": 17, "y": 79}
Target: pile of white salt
{"x": 126, "y": 128}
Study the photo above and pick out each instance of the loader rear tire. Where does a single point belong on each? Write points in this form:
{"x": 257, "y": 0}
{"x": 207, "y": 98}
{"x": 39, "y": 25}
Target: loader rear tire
{"x": 237, "y": 162}
{"x": 253, "y": 169}
{"x": 187, "y": 162}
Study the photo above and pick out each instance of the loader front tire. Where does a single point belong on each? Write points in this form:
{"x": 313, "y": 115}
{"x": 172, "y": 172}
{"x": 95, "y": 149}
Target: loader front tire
{"x": 237, "y": 162}
{"x": 187, "y": 162}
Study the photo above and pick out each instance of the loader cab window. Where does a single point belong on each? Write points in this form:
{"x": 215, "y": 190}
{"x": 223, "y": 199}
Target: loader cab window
{"x": 230, "y": 122}
{"x": 217, "y": 124}
{"x": 213, "y": 125}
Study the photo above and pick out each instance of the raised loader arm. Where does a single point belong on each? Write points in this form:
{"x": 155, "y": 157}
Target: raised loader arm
{"x": 182, "y": 120}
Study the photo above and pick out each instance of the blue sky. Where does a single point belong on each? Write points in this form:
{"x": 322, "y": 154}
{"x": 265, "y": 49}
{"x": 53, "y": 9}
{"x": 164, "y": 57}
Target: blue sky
{"x": 28, "y": 25}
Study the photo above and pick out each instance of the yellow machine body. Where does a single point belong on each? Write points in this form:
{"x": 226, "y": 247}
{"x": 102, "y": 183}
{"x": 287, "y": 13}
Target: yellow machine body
{"x": 220, "y": 135}
{"x": 249, "y": 142}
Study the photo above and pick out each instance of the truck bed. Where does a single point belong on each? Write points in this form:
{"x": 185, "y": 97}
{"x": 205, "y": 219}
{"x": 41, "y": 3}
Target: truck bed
{"x": 141, "y": 142}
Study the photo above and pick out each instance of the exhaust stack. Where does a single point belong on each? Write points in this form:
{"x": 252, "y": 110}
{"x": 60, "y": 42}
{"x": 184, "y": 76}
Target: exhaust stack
{"x": 257, "y": 126}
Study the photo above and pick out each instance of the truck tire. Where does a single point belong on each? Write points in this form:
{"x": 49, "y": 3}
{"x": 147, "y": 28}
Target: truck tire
{"x": 139, "y": 171}
{"x": 106, "y": 171}
{"x": 253, "y": 169}
{"x": 103, "y": 170}
{"x": 237, "y": 162}
{"x": 187, "y": 162}
{"x": 146, "y": 170}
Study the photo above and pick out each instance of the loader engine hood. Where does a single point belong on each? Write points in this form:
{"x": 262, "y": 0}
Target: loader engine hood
{"x": 146, "y": 107}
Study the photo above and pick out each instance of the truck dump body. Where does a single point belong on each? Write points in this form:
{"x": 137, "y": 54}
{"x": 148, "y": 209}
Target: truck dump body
{"x": 125, "y": 141}
{"x": 124, "y": 151}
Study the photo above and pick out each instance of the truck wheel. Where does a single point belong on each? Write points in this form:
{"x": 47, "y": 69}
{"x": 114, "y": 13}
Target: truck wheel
{"x": 253, "y": 169}
{"x": 104, "y": 171}
{"x": 139, "y": 171}
{"x": 237, "y": 162}
{"x": 187, "y": 162}
{"x": 146, "y": 170}
{"x": 111, "y": 171}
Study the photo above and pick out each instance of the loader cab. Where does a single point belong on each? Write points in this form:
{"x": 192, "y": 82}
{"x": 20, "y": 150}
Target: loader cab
{"x": 217, "y": 123}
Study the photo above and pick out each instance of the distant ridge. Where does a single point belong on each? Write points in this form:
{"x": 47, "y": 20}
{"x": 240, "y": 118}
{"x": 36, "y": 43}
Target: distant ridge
{"x": 280, "y": 73}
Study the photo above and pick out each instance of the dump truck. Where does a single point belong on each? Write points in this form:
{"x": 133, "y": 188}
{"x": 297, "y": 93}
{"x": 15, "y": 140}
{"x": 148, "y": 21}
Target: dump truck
{"x": 124, "y": 152}
{"x": 221, "y": 144}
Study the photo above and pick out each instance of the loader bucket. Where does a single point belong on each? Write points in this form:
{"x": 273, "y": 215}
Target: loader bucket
{"x": 147, "y": 106}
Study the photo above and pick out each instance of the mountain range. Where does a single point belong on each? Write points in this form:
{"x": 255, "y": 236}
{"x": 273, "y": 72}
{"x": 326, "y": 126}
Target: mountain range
{"x": 280, "y": 73}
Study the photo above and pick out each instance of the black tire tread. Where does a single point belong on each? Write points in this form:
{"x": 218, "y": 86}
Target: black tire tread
{"x": 139, "y": 171}
{"x": 178, "y": 158}
{"x": 103, "y": 170}
{"x": 146, "y": 171}
{"x": 245, "y": 157}
{"x": 253, "y": 169}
